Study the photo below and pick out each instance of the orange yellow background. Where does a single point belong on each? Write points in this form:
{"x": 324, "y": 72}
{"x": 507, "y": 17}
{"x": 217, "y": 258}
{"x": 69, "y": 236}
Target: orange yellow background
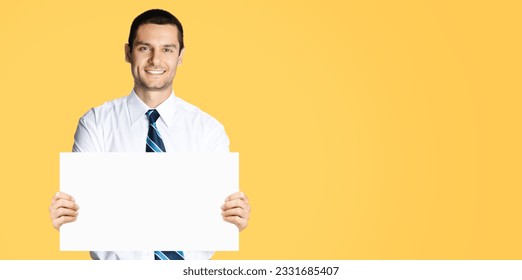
{"x": 366, "y": 129}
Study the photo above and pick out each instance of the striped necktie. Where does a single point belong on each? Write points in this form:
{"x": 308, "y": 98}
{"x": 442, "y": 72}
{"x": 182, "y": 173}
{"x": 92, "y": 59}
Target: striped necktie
{"x": 155, "y": 145}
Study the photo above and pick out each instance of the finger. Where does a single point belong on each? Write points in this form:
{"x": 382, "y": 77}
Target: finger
{"x": 234, "y": 212}
{"x": 237, "y": 195}
{"x": 63, "y": 212}
{"x": 62, "y": 203}
{"x": 233, "y": 204}
{"x": 239, "y": 222}
{"x": 63, "y": 220}
{"x": 62, "y": 195}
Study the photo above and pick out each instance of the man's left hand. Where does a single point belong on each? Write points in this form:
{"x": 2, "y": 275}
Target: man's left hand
{"x": 236, "y": 210}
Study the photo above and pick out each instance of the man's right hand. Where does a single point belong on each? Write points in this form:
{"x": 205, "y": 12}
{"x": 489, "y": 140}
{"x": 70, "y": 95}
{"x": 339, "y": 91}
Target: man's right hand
{"x": 63, "y": 210}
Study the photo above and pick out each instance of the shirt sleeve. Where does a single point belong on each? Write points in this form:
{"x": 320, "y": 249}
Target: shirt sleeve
{"x": 220, "y": 141}
{"x": 86, "y": 138}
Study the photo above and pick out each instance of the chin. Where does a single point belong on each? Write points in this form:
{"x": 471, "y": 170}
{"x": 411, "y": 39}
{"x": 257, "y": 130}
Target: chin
{"x": 156, "y": 88}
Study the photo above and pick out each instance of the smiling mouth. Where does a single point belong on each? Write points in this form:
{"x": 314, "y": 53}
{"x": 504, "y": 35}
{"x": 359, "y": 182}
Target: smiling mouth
{"x": 155, "y": 72}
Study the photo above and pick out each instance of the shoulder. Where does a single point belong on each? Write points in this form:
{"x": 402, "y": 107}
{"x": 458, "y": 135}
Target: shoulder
{"x": 208, "y": 131}
{"x": 106, "y": 110}
{"x": 195, "y": 116}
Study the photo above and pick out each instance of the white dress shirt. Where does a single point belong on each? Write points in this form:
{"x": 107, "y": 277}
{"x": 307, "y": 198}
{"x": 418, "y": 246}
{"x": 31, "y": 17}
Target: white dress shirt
{"x": 121, "y": 126}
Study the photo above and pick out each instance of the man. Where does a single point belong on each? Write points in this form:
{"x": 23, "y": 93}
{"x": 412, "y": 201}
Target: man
{"x": 151, "y": 119}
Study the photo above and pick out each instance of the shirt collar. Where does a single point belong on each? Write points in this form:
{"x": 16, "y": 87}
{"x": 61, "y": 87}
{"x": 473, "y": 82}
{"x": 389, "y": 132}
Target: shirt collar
{"x": 137, "y": 109}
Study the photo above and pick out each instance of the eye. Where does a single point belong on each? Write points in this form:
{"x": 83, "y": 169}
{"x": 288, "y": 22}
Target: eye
{"x": 143, "y": 48}
{"x": 168, "y": 50}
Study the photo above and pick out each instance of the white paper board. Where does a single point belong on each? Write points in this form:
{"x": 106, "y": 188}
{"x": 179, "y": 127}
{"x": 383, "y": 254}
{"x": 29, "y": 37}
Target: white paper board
{"x": 149, "y": 201}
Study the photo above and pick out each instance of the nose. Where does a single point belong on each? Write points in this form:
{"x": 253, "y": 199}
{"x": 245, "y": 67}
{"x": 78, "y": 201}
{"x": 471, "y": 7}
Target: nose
{"x": 154, "y": 57}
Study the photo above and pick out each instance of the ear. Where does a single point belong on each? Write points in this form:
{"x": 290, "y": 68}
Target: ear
{"x": 180, "y": 58}
{"x": 128, "y": 57}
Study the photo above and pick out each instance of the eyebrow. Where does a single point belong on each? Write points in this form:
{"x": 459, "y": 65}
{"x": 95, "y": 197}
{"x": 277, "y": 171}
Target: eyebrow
{"x": 147, "y": 44}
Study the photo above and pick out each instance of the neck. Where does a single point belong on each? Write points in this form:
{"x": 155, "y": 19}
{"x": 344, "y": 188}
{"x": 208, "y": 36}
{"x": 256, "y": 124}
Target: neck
{"x": 153, "y": 98}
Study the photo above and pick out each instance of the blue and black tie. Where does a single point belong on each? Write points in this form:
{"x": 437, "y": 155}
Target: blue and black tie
{"x": 155, "y": 145}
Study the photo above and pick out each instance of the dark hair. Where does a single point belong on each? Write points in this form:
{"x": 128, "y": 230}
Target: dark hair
{"x": 155, "y": 16}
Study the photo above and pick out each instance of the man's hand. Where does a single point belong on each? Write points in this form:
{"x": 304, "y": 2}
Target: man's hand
{"x": 236, "y": 210}
{"x": 63, "y": 210}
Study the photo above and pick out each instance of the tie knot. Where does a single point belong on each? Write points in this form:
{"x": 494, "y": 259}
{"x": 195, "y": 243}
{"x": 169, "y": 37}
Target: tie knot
{"x": 152, "y": 115}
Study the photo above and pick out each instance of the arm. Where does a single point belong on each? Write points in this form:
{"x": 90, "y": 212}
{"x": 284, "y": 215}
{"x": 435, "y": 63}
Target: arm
{"x": 236, "y": 209}
{"x": 63, "y": 208}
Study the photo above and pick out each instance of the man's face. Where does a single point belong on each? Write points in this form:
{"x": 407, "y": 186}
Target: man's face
{"x": 154, "y": 58}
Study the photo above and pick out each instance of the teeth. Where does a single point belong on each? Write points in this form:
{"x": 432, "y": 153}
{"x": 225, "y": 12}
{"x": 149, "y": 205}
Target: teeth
{"x": 155, "y": 72}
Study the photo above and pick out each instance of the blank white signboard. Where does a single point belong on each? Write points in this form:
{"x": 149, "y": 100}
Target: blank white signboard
{"x": 149, "y": 201}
